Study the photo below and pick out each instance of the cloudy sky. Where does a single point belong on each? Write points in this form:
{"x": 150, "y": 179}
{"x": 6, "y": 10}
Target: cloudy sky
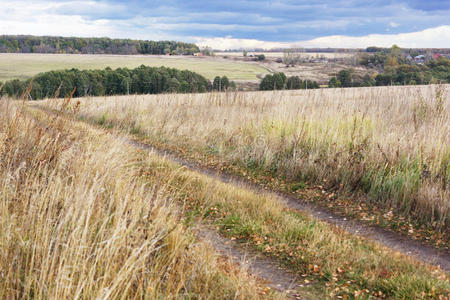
{"x": 235, "y": 24}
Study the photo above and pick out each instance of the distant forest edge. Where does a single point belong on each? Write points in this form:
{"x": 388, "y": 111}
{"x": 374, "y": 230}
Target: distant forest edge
{"x": 74, "y": 45}
{"x": 122, "y": 81}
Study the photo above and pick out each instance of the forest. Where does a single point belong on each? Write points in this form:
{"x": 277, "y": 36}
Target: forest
{"x": 122, "y": 81}
{"x": 75, "y": 45}
{"x": 397, "y": 72}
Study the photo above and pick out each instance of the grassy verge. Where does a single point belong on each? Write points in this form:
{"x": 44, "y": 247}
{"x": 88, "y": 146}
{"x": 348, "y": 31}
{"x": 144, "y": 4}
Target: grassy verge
{"x": 379, "y": 154}
{"x": 353, "y": 205}
{"x": 332, "y": 263}
{"x": 75, "y": 222}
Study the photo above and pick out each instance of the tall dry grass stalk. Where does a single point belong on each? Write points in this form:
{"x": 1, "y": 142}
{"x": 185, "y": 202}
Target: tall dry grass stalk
{"x": 77, "y": 222}
{"x": 392, "y": 143}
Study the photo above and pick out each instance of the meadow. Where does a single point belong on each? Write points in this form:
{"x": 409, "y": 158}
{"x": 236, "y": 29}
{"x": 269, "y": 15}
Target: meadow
{"x": 79, "y": 221}
{"x": 281, "y": 54}
{"x": 389, "y": 146}
{"x": 86, "y": 214}
{"x": 24, "y": 66}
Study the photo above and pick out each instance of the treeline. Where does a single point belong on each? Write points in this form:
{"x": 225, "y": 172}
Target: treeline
{"x": 431, "y": 72}
{"x": 411, "y": 51}
{"x": 381, "y": 58}
{"x": 122, "y": 81}
{"x": 279, "y": 81}
{"x": 74, "y": 45}
{"x": 223, "y": 84}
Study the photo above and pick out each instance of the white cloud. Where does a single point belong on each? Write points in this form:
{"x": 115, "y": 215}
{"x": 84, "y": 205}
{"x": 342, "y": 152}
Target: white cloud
{"x": 27, "y": 17}
{"x": 43, "y": 18}
{"x": 393, "y": 24}
{"x": 437, "y": 37}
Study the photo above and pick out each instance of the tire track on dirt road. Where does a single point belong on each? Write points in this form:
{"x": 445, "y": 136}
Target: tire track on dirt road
{"x": 389, "y": 239}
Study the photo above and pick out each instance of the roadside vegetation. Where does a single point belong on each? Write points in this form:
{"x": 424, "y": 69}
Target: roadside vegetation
{"x": 329, "y": 262}
{"x": 79, "y": 220}
{"x": 378, "y": 150}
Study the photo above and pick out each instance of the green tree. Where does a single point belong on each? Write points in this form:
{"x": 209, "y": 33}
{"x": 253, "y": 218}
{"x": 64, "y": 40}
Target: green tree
{"x": 173, "y": 85}
{"x": 345, "y": 77}
{"x": 221, "y": 83}
{"x": 44, "y": 44}
{"x": 334, "y": 83}
{"x": 309, "y": 84}
{"x": 395, "y": 51}
{"x": 279, "y": 81}
{"x": 368, "y": 81}
{"x": 266, "y": 83}
{"x": 142, "y": 80}
{"x": 217, "y": 83}
{"x": 294, "y": 83}
{"x": 391, "y": 61}
{"x": 225, "y": 83}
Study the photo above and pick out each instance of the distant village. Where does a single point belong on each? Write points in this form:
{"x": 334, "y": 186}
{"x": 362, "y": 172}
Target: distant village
{"x": 420, "y": 59}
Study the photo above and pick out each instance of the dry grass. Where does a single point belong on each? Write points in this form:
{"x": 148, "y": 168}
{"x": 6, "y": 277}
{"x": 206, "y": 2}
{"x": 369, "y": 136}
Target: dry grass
{"x": 391, "y": 143}
{"x": 332, "y": 262}
{"x": 76, "y": 222}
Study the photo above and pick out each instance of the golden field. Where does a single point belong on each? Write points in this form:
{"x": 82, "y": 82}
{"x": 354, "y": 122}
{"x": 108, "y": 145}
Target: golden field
{"x": 389, "y": 143}
{"x": 75, "y": 222}
{"x": 85, "y": 214}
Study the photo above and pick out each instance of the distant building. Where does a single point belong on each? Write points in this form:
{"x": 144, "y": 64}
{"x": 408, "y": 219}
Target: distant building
{"x": 320, "y": 60}
{"x": 419, "y": 59}
{"x": 437, "y": 55}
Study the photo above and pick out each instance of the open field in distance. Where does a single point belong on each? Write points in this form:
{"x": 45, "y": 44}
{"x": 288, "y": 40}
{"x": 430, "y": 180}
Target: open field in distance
{"x": 321, "y": 70}
{"x": 390, "y": 143}
{"x": 281, "y": 54}
{"x": 23, "y": 66}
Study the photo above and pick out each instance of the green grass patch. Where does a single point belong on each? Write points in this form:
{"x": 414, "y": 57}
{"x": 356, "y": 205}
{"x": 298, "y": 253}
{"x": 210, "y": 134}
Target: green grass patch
{"x": 23, "y": 66}
{"x": 334, "y": 264}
